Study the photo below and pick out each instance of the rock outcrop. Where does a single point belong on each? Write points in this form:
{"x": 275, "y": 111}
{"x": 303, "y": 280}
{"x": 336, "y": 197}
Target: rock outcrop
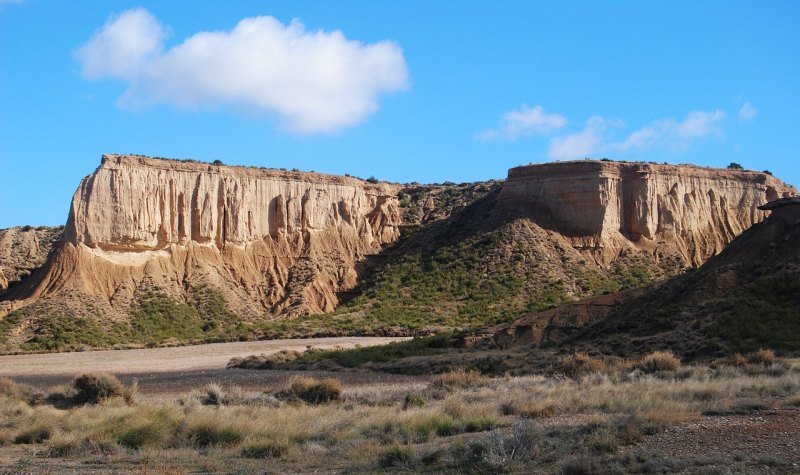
{"x": 269, "y": 241}
{"x": 604, "y": 208}
{"x": 23, "y": 249}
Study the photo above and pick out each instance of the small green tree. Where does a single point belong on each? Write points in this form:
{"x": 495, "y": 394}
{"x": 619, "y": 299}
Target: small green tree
{"x": 735, "y": 166}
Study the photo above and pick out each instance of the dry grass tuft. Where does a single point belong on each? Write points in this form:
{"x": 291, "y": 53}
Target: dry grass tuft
{"x": 763, "y": 357}
{"x": 263, "y": 448}
{"x": 315, "y": 391}
{"x": 97, "y": 388}
{"x": 659, "y": 361}
{"x": 457, "y": 380}
{"x": 580, "y": 364}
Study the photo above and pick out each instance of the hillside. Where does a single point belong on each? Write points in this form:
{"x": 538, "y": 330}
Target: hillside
{"x": 745, "y": 298}
{"x": 161, "y": 251}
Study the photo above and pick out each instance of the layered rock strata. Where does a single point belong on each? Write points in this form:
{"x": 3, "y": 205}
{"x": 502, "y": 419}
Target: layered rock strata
{"x": 269, "y": 241}
{"x": 604, "y": 208}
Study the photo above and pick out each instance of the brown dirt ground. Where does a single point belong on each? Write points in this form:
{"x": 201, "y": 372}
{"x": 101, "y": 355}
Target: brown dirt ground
{"x": 165, "y": 372}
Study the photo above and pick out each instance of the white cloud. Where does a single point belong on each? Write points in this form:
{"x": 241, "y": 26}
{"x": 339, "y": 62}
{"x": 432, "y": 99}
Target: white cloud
{"x": 123, "y": 47}
{"x": 747, "y": 113}
{"x": 524, "y": 121}
{"x": 666, "y": 133}
{"x": 582, "y": 144}
{"x": 315, "y": 81}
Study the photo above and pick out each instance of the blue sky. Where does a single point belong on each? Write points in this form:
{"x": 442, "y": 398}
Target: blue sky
{"x": 405, "y": 91}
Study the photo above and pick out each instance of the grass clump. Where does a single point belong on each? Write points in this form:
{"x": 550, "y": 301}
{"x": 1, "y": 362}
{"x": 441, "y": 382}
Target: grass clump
{"x": 412, "y": 401}
{"x": 580, "y": 364}
{"x": 763, "y": 357}
{"x": 315, "y": 391}
{"x": 398, "y": 456}
{"x": 659, "y": 361}
{"x": 264, "y": 448}
{"x": 460, "y": 379}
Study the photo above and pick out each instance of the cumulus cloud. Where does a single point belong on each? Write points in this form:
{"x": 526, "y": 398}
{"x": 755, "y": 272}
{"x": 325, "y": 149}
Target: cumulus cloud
{"x": 524, "y": 121}
{"x": 668, "y": 133}
{"x": 747, "y": 113}
{"x": 315, "y": 81}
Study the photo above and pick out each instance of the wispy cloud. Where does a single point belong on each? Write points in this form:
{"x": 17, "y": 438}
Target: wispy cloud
{"x": 522, "y": 122}
{"x": 747, "y": 113}
{"x": 597, "y": 137}
{"x": 315, "y": 81}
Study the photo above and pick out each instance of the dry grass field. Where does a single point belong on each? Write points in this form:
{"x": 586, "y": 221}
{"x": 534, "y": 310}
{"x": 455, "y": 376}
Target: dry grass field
{"x": 652, "y": 415}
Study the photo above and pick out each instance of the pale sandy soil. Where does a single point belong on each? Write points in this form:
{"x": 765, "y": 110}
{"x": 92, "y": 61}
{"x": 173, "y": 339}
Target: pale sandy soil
{"x": 167, "y": 371}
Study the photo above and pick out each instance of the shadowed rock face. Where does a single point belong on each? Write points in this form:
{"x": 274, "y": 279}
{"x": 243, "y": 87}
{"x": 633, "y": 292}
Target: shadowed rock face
{"x": 606, "y": 207}
{"x": 269, "y": 241}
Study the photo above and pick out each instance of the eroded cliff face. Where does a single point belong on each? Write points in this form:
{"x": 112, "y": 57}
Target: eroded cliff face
{"x": 23, "y": 249}
{"x": 604, "y": 208}
{"x": 270, "y": 242}
{"x": 253, "y": 244}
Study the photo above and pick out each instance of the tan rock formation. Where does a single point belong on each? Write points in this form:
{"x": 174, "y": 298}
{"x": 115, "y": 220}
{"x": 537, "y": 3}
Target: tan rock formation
{"x": 23, "y": 249}
{"x": 607, "y": 207}
{"x": 270, "y": 241}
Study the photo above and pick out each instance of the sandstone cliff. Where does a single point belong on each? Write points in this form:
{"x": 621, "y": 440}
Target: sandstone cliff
{"x": 269, "y": 241}
{"x": 604, "y": 208}
{"x": 155, "y": 249}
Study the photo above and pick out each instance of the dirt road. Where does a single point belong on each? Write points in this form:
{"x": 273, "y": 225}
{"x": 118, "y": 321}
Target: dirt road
{"x": 163, "y": 371}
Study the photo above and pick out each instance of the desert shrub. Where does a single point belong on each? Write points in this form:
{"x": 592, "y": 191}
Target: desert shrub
{"x": 210, "y": 432}
{"x": 457, "y": 380}
{"x": 372, "y": 179}
{"x": 261, "y": 448}
{"x": 602, "y": 442}
{"x": 37, "y": 429}
{"x": 763, "y": 357}
{"x": 92, "y": 388}
{"x": 412, "y": 400}
{"x": 498, "y": 452}
{"x": 398, "y": 456}
{"x": 19, "y": 392}
{"x": 629, "y": 429}
{"x": 214, "y": 395}
{"x": 149, "y": 429}
{"x": 659, "y": 361}
{"x": 315, "y": 391}
{"x": 579, "y": 364}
